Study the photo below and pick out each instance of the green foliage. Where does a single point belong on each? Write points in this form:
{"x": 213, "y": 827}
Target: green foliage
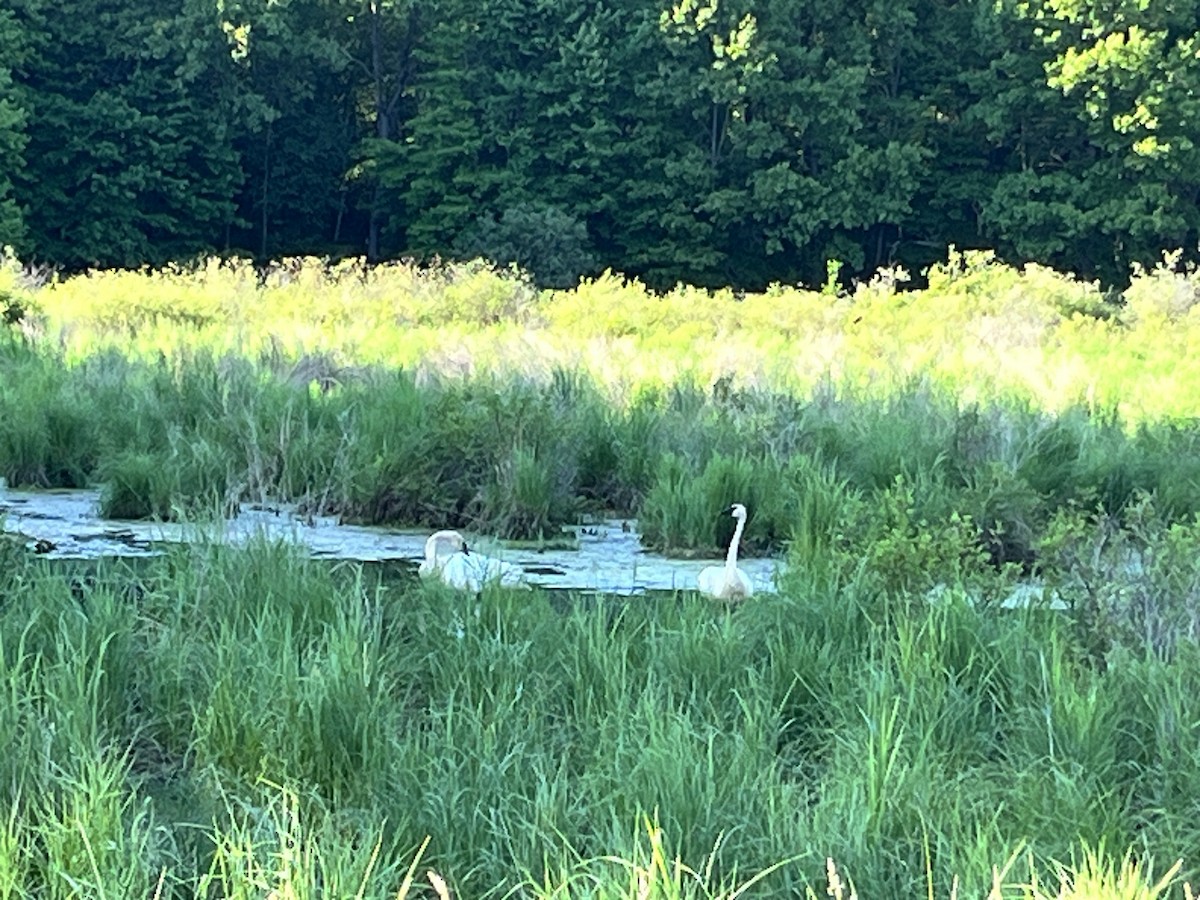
{"x": 1132, "y": 583}
{"x": 248, "y": 720}
{"x": 189, "y": 389}
{"x": 502, "y": 457}
{"x": 545, "y": 241}
{"x": 13, "y": 118}
{"x": 295, "y": 127}
{"x": 130, "y": 136}
{"x": 271, "y": 838}
{"x": 478, "y": 293}
{"x": 821, "y": 502}
{"x": 16, "y": 302}
{"x": 393, "y": 466}
{"x": 1134, "y": 84}
{"x": 1164, "y": 295}
{"x": 889, "y": 544}
{"x": 689, "y": 143}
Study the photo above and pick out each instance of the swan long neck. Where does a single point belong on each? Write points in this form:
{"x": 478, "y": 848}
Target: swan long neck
{"x": 442, "y": 542}
{"x": 731, "y": 556}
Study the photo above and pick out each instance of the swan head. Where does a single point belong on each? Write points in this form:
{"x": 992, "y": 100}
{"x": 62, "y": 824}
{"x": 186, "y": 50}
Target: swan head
{"x": 738, "y": 512}
{"x": 444, "y": 543}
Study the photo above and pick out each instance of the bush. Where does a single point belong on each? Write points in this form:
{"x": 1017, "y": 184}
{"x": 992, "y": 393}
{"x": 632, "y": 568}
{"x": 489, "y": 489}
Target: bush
{"x": 886, "y": 540}
{"x": 16, "y": 300}
{"x": 477, "y": 293}
{"x": 1133, "y": 583}
{"x": 545, "y": 241}
{"x": 1166, "y": 294}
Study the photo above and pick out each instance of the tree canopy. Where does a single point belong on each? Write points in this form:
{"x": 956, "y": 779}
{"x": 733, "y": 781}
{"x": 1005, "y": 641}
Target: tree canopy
{"x": 718, "y": 142}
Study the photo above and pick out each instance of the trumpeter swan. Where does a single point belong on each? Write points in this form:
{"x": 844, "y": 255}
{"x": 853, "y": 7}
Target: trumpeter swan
{"x": 439, "y": 547}
{"x": 448, "y": 558}
{"x": 728, "y": 582}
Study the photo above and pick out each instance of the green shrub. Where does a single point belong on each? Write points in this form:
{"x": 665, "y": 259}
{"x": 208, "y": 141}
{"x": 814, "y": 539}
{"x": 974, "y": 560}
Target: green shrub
{"x": 1008, "y": 512}
{"x": 17, "y": 299}
{"x": 886, "y": 539}
{"x": 476, "y": 293}
{"x": 545, "y": 241}
{"x": 1132, "y": 582}
{"x": 1165, "y": 294}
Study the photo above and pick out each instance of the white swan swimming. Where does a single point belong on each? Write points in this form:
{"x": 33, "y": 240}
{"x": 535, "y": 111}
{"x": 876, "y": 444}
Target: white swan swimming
{"x": 448, "y": 558}
{"x": 439, "y": 547}
{"x": 728, "y": 582}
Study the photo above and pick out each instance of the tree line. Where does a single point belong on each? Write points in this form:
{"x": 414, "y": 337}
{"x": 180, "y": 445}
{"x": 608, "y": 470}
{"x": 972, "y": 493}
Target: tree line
{"x": 732, "y": 142}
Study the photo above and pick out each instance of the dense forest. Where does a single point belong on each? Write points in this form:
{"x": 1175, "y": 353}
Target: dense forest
{"x": 735, "y": 143}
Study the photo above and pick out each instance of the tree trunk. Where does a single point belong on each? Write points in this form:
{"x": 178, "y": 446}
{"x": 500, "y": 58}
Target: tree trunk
{"x": 266, "y": 194}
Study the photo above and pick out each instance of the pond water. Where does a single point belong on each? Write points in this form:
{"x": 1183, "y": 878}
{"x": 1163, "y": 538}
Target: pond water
{"x": 610, "y": 558}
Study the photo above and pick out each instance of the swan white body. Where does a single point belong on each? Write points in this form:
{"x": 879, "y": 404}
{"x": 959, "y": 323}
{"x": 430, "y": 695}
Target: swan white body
{"x": 447, "y": 558}
{"x": 728, "y": 582}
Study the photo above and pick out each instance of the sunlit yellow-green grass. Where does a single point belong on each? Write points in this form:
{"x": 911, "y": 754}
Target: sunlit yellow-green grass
{"x": 981, "y": 328}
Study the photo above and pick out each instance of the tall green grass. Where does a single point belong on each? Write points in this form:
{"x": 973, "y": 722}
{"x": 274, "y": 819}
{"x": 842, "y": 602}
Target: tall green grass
{"x": 234, "y": 722}
{"x": 520, "y": 457}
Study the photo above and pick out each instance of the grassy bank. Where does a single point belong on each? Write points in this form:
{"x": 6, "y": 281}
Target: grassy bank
{"x": 518, "y": 457}
{"x": 236, "y": 723}
{"x": 460, "y": 397}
